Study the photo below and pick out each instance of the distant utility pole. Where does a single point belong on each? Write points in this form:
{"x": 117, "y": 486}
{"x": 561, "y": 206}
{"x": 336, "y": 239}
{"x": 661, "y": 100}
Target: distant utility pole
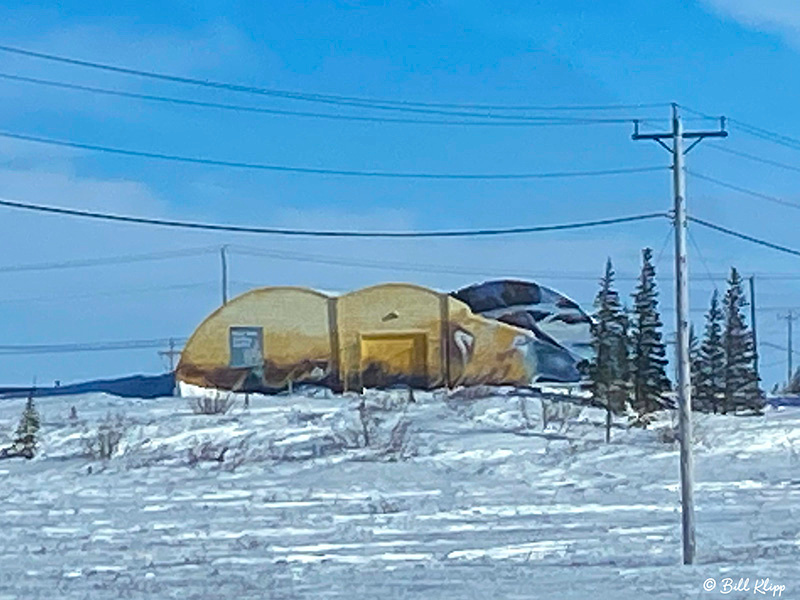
{"x": 224, "y": 258}
{"x": 677, "y": 135}
{"x": 171, "y": 354}
{"x": 789, "y": 317}
{"x": 753, "y": 322}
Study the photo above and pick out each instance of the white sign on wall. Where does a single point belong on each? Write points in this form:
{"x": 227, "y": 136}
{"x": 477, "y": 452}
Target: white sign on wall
{"x": 246, "y": 347}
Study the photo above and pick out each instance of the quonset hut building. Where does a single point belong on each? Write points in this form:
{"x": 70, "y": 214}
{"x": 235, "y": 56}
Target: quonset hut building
{"x": 496, "y": 333}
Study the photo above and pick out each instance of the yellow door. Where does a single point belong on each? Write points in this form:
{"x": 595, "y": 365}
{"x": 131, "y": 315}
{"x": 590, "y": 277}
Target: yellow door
{"x": 397, "y": 357}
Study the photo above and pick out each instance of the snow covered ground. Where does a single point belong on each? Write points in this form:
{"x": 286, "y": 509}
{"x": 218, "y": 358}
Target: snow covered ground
{"x": 462, "y": 497}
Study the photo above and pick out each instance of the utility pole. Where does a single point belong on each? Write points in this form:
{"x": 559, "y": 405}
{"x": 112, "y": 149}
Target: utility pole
{"x": 171, "y": 354}
{"x": 753, "y": 322}
{"x": 224, "y": 258}
{"x": 789, "y": 317}
{"x": 672, "y": 340}
{"x": 677, "y": 135}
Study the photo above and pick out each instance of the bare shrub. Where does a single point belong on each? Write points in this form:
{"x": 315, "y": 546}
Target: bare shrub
{"x": 523, "y": 410}
{"x": 229, "y": 453}
{"x": 398, "y": 447}
{"x": 364, "y": 416}
{"x": 379, "y": 423}
{"x": 389, "y": 400}
{"x": 559, "y": 413}
{"x": 382, "y": 506}
{"x": 108, "y": 442}
{"x": 546, "y": 408}
{"x": 207, "y": 452}
{"x": 347, "y": 435}
{"x": 462, "y": 400}
{"x": 218, "y": 404}
{"x": 399, "y": 435}
{"x": 104, "y": 442}
{"x": 372, "y": 413}
{"x": 668, "y": 434}
{"x": 641, "y": 421}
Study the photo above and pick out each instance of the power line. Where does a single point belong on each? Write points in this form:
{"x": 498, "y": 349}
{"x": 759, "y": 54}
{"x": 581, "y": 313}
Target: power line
{"x": 755, "y": 131}
{"x": 327, "y": 259}
{"x": 702, "y": 259}
{"x": 315, "y": 97}
{"x": 319, "y": 233}
{"x": 520, "y": 121}
{"x": 111, "y": 260}
{"x": 86, "y": 347}
{"x": 776, "y": 276}
{"x": 386, "y": 105}
{"x": 319, "y": 171}
{"x": 745, "y": 237}
{"x": 778, "y": 347}
{"x": 333, "y": 260}
{"x": 280, "y": 255}
{"x": 696, "y": 112}
{"x": 670, "y": 231}
{"x": 344, "y": 261}
{"x": 761, "y": 309}
{"x": 772, "y": 364}
{"x": 411, "y": 267}
{"x": 742, "y": 190}
{"x": 58, "y": 297}
{"x": 755, "y": 158}
{"x": 495, "y": 272}
{"x": 764, "y": 134}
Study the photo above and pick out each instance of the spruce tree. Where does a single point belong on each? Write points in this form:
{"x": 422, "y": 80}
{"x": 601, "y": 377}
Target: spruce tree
{"x": 710, "y": 383}
{"x": 649, "y": 377}
{"x": 741, "y": 380}
{"x": 25, "y": 441}
{"x": 609, "y": 368}
{"x": 624, "y": 383}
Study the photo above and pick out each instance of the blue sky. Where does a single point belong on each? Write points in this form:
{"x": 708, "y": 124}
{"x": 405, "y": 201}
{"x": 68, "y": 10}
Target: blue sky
{"x": 731, "y": 57}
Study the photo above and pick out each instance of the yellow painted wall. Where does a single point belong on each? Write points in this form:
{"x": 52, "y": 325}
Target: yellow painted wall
{"x": 403, "y": 332}
{"x": 295, "y": 329}
{"x": 401, "y": 353}
{"x": 496, "y": 354}
{"x": 390, "y": 307}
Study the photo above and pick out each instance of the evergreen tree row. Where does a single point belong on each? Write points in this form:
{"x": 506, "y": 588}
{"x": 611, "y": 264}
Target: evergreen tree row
{"x": 628, "y": 370}
{"x": 724, "y": 376}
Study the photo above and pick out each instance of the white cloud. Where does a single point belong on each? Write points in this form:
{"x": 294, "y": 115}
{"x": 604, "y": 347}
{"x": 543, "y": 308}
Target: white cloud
{"x": 64, "y": 188}
{"x": 774, "y": 16}
{"x": 200, "y": 50}
{"x": 31, "y": 237}
{"x": 213, "y": 50}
